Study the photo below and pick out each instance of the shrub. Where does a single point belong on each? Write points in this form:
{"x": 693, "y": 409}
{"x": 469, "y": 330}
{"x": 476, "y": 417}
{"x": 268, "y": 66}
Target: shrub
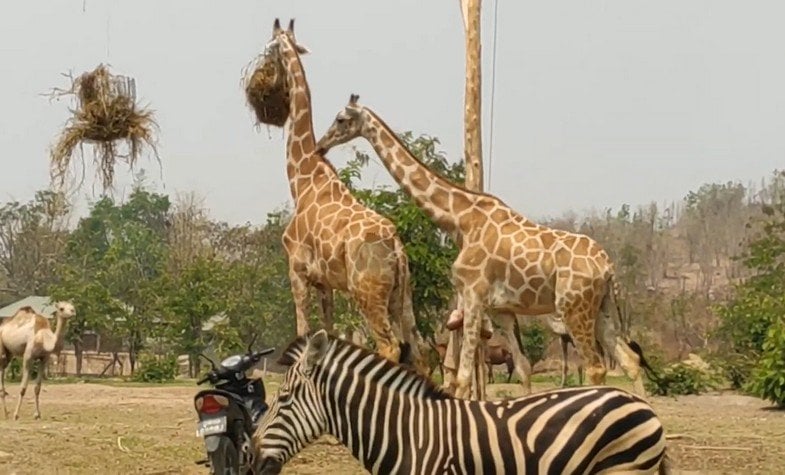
{"x": 534, "y": 338}
{"x": 736, "y": 368}
{"x": 768, "y": 379}
{"x": 155, "y": 369}
{"x": 680, "y": 379}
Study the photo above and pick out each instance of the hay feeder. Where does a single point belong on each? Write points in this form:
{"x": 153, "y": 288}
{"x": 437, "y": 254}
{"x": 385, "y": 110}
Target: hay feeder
{"x": 266, "y": 91}
{"x": 106, "y": 117}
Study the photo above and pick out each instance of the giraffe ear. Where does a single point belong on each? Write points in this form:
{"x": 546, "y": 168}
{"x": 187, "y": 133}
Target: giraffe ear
{"x": 302, "y": 49}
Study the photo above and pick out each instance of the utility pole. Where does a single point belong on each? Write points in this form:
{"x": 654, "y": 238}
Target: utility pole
{"x": 472, "y": 151}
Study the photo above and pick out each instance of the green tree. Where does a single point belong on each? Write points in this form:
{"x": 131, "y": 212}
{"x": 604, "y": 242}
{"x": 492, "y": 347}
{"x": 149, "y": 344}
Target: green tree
{"x": 32, "y": 238}
{"x": 196, "y": 294}
{"x": 118, "y": 253}
{"x": 751, "y": 323}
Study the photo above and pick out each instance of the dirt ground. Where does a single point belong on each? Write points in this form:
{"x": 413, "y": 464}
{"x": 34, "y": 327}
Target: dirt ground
{"x": 121, "y": 429}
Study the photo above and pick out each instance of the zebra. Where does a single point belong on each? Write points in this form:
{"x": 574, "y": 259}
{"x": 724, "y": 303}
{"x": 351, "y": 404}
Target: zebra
{"x": 395, "y": 421}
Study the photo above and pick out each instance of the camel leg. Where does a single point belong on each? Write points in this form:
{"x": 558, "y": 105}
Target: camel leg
{"x": 326, "y": 306}
{"x": 37, "y": 391}
{"x": 301, "y": 297}
{"x": 564, "y": 366}
{"x": 3, "y": 365}
{"x": 523, "y": 368}
{"x": 23, "y": 387}
{"x": 510, "y": 367}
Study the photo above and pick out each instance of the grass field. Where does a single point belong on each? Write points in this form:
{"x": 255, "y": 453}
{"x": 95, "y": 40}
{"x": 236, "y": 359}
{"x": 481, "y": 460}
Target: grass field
{"x": 115, "y": 427}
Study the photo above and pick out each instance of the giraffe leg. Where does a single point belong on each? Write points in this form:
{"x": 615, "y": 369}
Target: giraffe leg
{"x": 523, "y": 368}
{"x": 26, "y": 360}
{"x": 581, "y": 328}
{"x": 373, "y": 306}
{"x": 301, "y": 296}
{"x": 37, "y": 391}
{"x": 472, "y": 325}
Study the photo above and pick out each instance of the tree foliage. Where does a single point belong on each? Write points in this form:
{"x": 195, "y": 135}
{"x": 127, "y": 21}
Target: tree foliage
{"x": 752, "y": 322}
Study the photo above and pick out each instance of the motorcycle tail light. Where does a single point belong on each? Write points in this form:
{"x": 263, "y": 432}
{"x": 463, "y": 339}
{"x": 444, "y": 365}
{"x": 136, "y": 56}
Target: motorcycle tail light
{"x": 211, "y": 403}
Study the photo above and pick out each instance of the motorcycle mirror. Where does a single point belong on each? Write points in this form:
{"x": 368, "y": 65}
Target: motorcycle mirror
{"x": 212, "y": 363}
{"x": 250, "y": 345}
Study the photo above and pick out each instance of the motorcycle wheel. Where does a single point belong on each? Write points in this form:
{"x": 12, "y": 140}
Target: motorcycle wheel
{"x": 224, "y": 460}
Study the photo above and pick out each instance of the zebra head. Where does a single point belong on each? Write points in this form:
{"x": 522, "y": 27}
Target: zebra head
{"x": 296, "y": 416}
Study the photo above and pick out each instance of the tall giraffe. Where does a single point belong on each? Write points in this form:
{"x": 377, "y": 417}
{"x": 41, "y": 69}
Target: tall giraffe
{"x": 332, "y": 240}
{"x": 507, "y": 264}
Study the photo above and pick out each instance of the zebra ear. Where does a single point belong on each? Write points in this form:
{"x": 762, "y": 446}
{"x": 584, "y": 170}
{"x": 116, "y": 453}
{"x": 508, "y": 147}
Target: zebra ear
{"x": 317, "y": 347}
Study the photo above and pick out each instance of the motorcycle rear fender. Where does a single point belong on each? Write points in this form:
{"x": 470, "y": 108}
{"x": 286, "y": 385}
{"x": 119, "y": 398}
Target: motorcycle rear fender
{"x": 212, "y": 442}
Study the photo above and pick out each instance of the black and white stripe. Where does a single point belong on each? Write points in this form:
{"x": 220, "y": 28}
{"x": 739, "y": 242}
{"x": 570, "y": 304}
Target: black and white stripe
{"x": 396, "y": 422}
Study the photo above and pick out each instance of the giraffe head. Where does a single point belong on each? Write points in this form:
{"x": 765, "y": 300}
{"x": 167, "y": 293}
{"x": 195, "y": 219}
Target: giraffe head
{"x": 348, "y": 125}
{"x": 282, "y": 38}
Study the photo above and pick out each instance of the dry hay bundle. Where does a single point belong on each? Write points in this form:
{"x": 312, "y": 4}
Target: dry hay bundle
{"x": 106, "y": 114}
{"x": 266, "y": 91}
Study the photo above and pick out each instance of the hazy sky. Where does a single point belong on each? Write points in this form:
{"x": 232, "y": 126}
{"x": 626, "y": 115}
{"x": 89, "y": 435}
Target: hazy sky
{"x": 597, "y": 103}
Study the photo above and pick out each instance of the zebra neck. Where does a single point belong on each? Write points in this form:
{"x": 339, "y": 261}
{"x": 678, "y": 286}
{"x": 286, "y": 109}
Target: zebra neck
{"x": 369, "y": 421}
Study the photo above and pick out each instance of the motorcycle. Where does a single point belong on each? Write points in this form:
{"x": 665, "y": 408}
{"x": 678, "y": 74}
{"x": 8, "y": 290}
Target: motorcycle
{"x": 228, "y": 412}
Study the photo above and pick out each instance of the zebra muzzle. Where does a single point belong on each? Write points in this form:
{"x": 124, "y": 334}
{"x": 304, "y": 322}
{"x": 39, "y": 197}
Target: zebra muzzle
{"x": 268, "y": 466}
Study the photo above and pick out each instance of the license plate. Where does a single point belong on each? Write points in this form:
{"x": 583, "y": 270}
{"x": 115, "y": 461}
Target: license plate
{"x": 212, "y": 426}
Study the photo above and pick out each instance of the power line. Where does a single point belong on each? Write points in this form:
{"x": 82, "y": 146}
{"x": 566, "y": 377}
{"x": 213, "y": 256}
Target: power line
{"x": 493, "y": 87}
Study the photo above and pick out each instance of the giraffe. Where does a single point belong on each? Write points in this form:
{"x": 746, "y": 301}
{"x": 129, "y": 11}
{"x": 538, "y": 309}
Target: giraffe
{"x": 506, "y": 264}
{"x": 332, "y": 240}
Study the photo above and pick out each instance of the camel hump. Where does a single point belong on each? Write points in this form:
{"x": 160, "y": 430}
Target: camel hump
{"x": 41, "y": 323}
{"x": 26, "y": 309}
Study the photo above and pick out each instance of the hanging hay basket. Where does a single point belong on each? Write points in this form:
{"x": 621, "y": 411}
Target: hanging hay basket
{"x": 107, "y": 118}
{"x": 265, "y": 90}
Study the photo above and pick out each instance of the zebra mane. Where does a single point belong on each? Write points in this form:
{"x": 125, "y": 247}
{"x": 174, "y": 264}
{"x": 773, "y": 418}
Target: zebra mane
{"x": 426, "y": 386}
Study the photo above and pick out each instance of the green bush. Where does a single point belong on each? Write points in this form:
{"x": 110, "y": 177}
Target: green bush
{"x": 736, "y": 368}
{"x": 680, "y": 379}
{"x": 535, "y": 341}
{"x": 768, "y": 378}
{"x": 155, "y": 369}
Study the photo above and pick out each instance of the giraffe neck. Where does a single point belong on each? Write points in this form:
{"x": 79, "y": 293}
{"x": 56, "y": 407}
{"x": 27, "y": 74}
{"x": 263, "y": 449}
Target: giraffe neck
{"x": 439, "y": 198}
{"x": 301, "y": 161}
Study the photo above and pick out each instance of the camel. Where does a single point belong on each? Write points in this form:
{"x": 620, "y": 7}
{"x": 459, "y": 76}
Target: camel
{"x": 29, "y": 335}
{"x": 496, "y": 353}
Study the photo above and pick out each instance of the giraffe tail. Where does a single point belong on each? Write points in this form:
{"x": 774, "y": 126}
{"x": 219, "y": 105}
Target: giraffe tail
{"x": 614, "y": 292}
{"x": 650, "y": 372}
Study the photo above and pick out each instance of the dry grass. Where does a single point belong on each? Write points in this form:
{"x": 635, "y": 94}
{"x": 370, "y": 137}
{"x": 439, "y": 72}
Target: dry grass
{"x": 266, "y": 92}
{"x": 107, "y": 118}
{"x": 155, "y": 425}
